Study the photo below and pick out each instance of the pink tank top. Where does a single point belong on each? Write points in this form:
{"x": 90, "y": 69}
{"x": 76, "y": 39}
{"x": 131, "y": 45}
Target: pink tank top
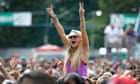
{"x": 81, "y": 70}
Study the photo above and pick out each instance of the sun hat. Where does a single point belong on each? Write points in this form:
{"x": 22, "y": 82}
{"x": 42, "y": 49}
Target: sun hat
{"x": 74, "y": 32}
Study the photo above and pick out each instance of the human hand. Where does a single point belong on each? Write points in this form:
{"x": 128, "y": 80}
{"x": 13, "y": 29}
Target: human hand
{"x": 50, "y": 72}
{"x": 50, "y": 11}
{"x": 1, "y": 65}
{"x": 81, "y": 9}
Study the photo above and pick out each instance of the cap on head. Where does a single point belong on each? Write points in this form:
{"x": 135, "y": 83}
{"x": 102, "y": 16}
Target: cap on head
{"x": 23, "y": 57}
{"x": 74, "y": 32}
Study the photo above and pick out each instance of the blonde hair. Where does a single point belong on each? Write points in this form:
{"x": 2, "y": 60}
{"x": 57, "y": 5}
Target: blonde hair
{"x": 75, "y": 62}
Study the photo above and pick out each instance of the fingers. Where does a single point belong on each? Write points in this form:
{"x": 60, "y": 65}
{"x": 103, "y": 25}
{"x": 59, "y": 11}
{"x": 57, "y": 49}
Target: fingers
{"x": 81, "y": 4}
{"x": 0, "y": 64}
{"x": 52, "y": 6}
{"x": 48, "y": 9}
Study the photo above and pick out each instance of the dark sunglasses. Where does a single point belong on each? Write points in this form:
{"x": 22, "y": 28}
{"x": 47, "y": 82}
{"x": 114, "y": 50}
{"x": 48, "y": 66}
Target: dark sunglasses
{"x": 74, "y": 36}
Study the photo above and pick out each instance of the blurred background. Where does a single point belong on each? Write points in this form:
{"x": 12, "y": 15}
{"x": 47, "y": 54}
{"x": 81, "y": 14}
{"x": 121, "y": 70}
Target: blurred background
{"x": 25, "y": 25}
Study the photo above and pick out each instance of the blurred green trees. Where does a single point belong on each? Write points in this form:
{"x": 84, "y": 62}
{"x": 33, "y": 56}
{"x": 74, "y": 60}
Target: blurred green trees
{"x": 67, "y": 11}
{"x": 119, "y": 6}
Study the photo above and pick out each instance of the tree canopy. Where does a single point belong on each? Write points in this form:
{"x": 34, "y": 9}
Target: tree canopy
{"x": 119, "y": 6}
{"x": 67, "y": 11}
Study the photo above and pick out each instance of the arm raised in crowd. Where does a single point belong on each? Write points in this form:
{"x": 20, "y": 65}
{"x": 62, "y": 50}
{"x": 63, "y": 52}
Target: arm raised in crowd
{"x": 83, "y": 26}
{"x": 58, "y": 25}
{"x": 5, "y": 73}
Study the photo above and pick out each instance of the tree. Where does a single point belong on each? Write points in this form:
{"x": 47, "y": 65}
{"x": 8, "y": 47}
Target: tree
{"x": 24, "y": 36}
{"x": 67, "y": 11}
{"x": 119, "y": 6}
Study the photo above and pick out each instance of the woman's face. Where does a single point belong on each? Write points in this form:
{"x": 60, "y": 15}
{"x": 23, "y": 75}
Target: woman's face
{"x": 74, "y": 40}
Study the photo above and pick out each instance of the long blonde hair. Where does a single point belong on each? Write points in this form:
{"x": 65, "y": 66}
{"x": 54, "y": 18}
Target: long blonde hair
{"x": 75, "y": 62}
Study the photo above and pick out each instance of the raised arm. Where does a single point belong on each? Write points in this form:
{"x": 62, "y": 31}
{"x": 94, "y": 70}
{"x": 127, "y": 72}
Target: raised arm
{"x": 5, "y": 73}
{"x": 83, "y": 26}
{"x": 58, "y": 26}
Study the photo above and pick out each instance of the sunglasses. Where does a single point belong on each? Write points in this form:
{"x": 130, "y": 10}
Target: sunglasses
{"x": 74, "y": 36}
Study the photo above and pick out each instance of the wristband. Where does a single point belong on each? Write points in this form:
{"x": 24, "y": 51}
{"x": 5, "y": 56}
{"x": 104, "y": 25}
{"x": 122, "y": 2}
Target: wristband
{"x": 54, "y": 17}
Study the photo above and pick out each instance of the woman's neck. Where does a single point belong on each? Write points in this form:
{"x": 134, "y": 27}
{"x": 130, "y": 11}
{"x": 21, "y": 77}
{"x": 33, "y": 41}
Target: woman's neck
{"x": 73, "y": 49}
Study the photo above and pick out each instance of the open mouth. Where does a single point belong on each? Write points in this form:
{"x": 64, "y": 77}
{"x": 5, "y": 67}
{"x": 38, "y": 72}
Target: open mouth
{"x": 73, "y": 42}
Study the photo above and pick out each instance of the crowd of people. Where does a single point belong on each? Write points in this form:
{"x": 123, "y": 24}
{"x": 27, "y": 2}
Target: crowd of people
{"x": 76, "y": 68}
{"x": 23, "y": 70}
{"x": 119, "y": 37}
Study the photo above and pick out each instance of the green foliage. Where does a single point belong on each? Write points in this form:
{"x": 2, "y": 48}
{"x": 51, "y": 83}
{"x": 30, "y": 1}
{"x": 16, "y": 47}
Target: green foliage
{"x": 119, "y": 6}
{"x": 54, "y": 38}
{"x": 28, "y": 5}
{"x": 100, "y": 20}
{"x": 96, "y": 37}
{"x": 23, "y": 37}
{"x": 67, "y": 11}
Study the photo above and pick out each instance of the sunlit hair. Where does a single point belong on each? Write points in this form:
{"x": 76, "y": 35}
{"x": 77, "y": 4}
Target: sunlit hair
{"x": 102, "y": 80}
{"x": 74, "y": 32}
{"x": 75, "y": 62}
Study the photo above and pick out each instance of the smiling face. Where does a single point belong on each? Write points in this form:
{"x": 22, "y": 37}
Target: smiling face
{"x": 74, "y": 38}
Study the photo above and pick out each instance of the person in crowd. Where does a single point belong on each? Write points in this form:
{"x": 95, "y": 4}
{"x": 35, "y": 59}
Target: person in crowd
{"x": 87, "y": 80}
{"x": 35, "y": 77}
{"x": 60, "y": 80}
{"x": 114, "y": 37}
{"x": 73, "y": 78}
{"x": 6, "y": 78}
{"x": 137, "y": 73}
{"x": 1, "y": 78}
{"x": 130, "y": 40}
{"x": 109, "y": 38}
{"x": 76, "y": 43}
{"x": 122, "y": 79}
{"x": 119, "y": 34}
{"x": 60, "y": 68}
{"x": 91, "y": 68}
{"x": 102, "y": 80}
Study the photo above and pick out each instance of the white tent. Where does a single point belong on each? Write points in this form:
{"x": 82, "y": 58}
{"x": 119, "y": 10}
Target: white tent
{"x": 48, "y": 52}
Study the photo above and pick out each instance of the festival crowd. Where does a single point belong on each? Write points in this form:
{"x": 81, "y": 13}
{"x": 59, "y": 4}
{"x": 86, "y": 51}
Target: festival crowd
{"x": 76, "y": 68}
{"x": 22, "y": 70}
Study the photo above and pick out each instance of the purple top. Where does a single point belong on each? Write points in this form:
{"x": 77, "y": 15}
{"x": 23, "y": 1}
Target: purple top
{"x": 81, "y": 70}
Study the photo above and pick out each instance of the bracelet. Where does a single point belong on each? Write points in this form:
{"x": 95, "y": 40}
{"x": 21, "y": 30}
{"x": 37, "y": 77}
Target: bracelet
{"x": 54, "y": 17}
{"x": 82, "y": 19}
